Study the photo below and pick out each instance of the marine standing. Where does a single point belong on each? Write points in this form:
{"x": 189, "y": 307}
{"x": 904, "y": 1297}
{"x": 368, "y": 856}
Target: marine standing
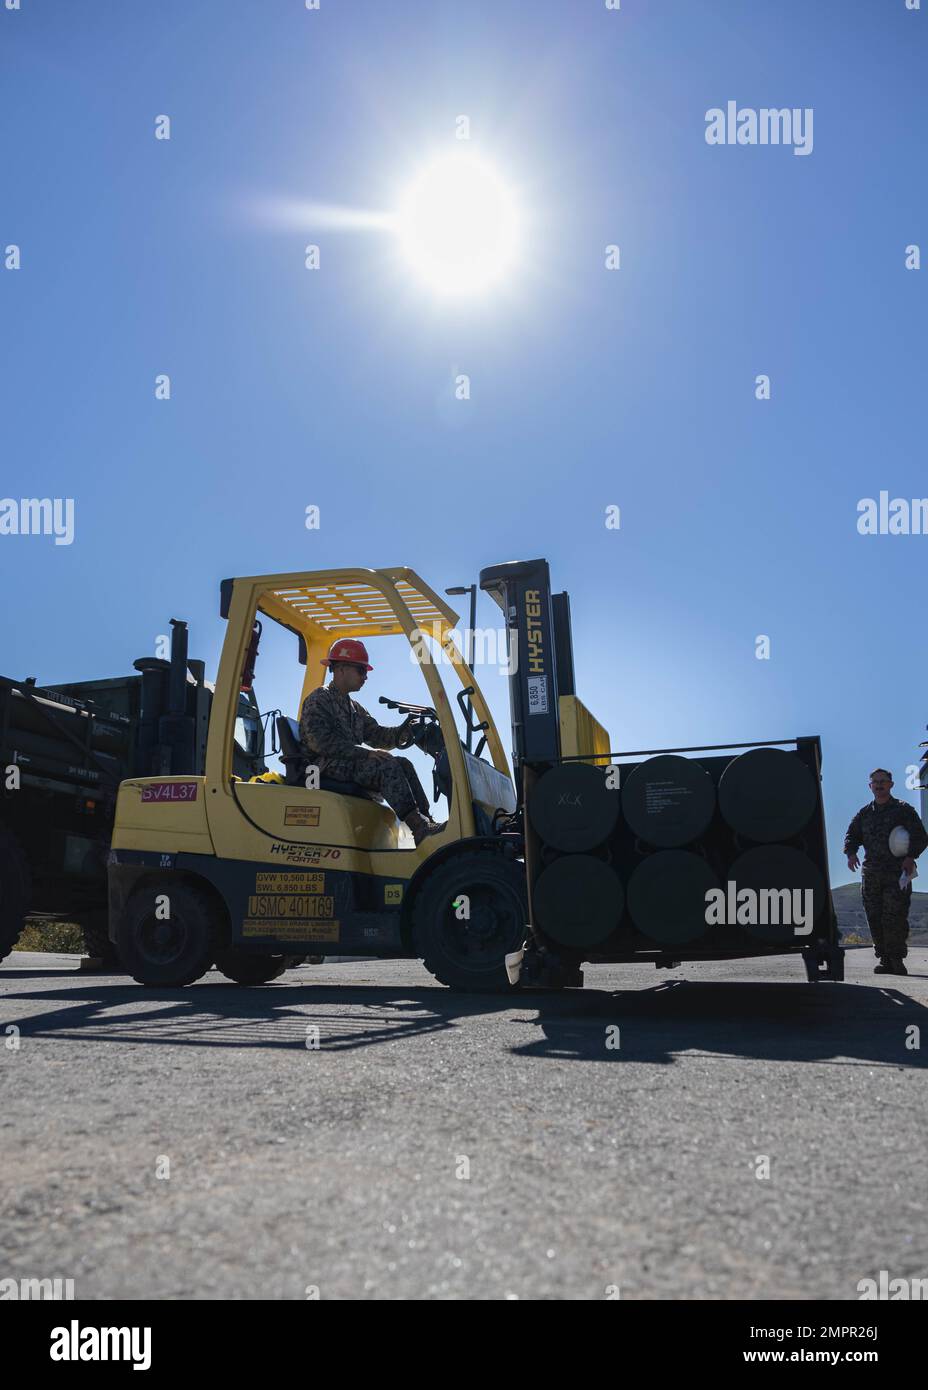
{"x": 893, "y": 837}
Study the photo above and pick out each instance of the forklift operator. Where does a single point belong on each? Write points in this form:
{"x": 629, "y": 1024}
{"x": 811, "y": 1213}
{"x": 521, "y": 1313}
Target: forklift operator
{"x": 333, "y": 727}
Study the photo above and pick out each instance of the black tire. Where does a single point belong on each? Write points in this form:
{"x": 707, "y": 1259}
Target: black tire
{"x": 15, "y": 891}
{"x": 173, "y": 952}
{"x": 469, "y": 955}
{"x": 246, "y": 968}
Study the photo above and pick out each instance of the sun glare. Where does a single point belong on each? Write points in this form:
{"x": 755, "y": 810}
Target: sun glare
{"x": 457, "y": 224}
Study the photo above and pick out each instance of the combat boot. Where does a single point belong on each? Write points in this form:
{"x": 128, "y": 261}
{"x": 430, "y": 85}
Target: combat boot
{"x": 897, "y": 966}
{"x": 884, "y": 967}
{"x": 421, "y": 827}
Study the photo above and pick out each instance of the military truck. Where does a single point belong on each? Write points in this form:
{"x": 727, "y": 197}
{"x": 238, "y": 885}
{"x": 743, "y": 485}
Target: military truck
{"x": 65, "y": 748}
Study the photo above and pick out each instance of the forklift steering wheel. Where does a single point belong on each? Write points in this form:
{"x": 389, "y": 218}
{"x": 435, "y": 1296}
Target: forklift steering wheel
{"x": 427, "y": 735}
{"x": 407, "y": 737}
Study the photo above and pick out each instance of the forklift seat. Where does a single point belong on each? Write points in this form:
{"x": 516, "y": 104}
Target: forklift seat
{"x": 293, "y": 756}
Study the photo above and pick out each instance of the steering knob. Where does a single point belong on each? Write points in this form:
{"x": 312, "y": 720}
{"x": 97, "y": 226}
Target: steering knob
{"x": 407, "y": 737}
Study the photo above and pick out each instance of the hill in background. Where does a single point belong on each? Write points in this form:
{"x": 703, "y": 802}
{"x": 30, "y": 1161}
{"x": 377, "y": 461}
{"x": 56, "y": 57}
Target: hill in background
{"x": 852, "y": 919}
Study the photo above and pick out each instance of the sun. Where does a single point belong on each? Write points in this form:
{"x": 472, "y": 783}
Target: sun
{"x": 458, "y": 225}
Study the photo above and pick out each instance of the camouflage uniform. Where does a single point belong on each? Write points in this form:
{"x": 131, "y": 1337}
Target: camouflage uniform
{"x": 332, "y": 726}
{"x": 885, "y": 903}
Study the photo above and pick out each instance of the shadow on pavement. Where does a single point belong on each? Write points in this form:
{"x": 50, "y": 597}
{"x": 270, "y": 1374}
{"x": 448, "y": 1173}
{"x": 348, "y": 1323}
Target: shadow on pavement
{"x": 51, "y": 972}
{"x": 223, "y": 1014}
{"x": 844, "y": 1025}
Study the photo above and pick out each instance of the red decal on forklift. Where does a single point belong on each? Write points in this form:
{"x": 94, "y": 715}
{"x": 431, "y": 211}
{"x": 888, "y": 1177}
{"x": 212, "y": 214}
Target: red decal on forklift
{"x": 170, "y": 791}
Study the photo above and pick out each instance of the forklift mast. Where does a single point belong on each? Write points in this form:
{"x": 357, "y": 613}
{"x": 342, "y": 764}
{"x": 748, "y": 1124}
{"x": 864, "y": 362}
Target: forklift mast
{"x": 541, "y": 662}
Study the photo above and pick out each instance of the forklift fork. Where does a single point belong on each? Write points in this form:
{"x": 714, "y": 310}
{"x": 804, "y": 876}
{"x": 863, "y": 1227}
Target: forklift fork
{"x": 823, "y": 961}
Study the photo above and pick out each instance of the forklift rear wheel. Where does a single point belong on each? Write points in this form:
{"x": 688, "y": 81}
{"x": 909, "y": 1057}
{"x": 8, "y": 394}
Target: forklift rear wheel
{"x": 470, "y": 914}
{"x": 15, "y": 891}
{"x": 246, "y": 968}
{"x": 168, "y": 933}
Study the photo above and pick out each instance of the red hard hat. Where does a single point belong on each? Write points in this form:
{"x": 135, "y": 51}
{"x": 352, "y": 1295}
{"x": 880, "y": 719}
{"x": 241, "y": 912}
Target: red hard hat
{"x": 348, "y": 649}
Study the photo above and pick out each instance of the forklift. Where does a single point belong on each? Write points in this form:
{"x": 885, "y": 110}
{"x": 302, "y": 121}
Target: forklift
{"x": 576, "y": 854}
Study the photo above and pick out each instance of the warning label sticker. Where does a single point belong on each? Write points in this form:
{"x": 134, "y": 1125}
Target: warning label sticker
{"x": 301, "y": 815}
{"x": 290, "y": 930}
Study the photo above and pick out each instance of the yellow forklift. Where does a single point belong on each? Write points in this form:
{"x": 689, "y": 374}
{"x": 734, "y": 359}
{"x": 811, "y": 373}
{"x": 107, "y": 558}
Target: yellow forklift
{"x": 251, "y": 874}
{"x": 576, "y": 855}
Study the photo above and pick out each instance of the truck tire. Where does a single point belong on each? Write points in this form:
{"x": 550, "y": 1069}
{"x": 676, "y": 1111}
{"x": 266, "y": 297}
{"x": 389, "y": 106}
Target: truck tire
{"x": 246, "y": 968}
{"x": 169, "y": 952}
{"x": 469, "y": 953}
{"x": 15, "y": 891}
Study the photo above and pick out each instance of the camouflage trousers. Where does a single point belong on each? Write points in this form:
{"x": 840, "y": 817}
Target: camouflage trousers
{"x": 887, "y": 909}
{"x": 395, "y": 779}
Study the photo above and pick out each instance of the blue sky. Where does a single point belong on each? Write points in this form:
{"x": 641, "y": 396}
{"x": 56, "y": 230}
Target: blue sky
{"x": 589, "y": 388}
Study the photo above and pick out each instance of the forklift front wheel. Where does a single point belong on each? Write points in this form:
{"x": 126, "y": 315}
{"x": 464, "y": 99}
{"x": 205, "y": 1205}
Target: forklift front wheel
{"x": 469, "y": 916}
{"x": 168, "y": 933}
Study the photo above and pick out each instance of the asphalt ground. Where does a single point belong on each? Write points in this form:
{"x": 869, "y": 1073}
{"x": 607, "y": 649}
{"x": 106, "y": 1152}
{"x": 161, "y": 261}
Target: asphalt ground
{"x": 722, "y": 1131}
